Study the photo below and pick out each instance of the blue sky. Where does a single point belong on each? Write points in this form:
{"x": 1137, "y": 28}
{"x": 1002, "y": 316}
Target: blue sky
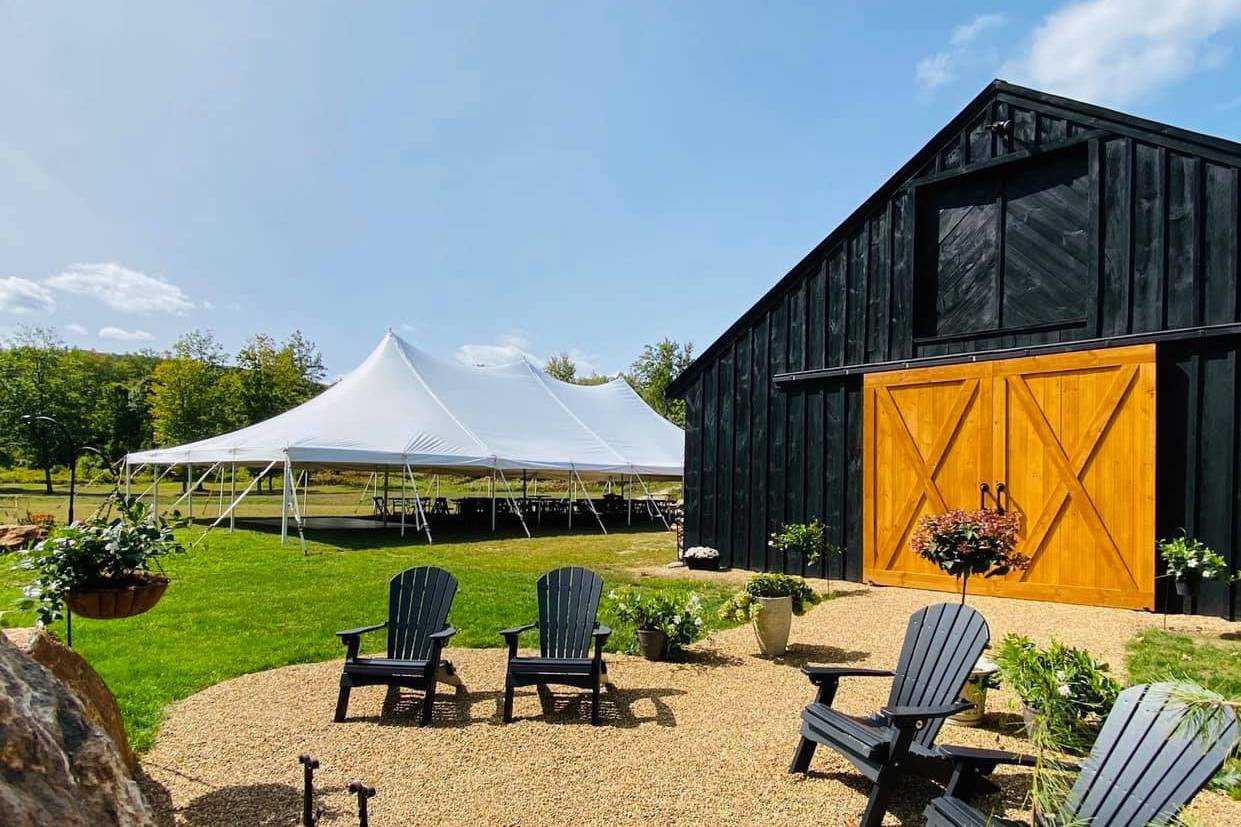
{"x": 502, "y": 177}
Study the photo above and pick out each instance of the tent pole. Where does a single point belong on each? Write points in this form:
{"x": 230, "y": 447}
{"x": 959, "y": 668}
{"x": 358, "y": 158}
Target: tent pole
{"x": 284, "y": 503}
{"x": 572, "y": 494}
{"x": 426, "y": 526}
{"x": 513, "y": 502}
{"x": 491, "y": 486}
{"x": 403, "y": 502}
{"x": 129, "y": 472}
{"x": 589, "y": 503}
{"x": 297, "y": 515}
{"x": 629, "y": 500}
{"x": 155, "y": 492}
{"x": 232, "y": 495}
{"x": 189, "y": 491}
{"x": 385, "y": 508}
{"x": 232, "y": 507}
{"x": 651, "y": 501}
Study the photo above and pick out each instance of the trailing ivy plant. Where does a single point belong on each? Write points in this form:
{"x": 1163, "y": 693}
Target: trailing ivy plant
{"x": 742, "y": 607}
{"x": 95, "y": 553}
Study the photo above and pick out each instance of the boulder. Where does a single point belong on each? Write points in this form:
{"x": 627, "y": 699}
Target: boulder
{"x": 82, "y": 679}
{"x": 56, "y": 766}
{"x": 14, "y": 537}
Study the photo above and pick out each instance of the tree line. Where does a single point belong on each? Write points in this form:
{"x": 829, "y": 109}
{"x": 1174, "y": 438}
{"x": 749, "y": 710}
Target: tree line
{"x": 119, "y": 403}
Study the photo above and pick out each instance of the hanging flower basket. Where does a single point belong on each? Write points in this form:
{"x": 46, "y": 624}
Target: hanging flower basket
{"x": 115, "y": 602}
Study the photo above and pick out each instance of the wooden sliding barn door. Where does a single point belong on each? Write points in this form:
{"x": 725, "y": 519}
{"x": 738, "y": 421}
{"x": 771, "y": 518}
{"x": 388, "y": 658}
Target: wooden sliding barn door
{"x": 1071, "y": 437}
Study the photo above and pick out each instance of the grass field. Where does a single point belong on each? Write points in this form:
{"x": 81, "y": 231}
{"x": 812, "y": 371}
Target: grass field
{"x": 242, "y": 602}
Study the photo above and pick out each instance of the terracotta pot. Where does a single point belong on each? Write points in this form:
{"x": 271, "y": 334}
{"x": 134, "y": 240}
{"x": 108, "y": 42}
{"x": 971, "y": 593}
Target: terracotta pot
{"x": 772, "y": 625}
{"x": 119, "y": 601}
{"x": 653, "y": 643}
{"x": 703, "y": 563}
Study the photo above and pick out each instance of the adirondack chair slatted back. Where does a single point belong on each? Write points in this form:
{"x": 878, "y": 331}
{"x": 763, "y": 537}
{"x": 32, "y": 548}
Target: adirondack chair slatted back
{"x": 942, "y": 644}
{"x": 418, "y": 604}
{"x": 1148, "y": 761}
{"x": 568, "y": 603}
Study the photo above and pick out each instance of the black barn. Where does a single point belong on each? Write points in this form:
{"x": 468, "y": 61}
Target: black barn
{"x": 1042, "y": 269}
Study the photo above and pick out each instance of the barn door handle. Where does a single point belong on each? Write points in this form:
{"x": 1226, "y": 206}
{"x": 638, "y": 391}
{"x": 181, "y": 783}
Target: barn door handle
{"x": 1001, "y": 497}
{"x": 983, "y": 488}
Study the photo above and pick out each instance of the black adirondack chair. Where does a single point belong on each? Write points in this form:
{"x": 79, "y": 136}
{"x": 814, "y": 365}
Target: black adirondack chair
{"x": 942, "y": 643}
{"x": 418, "y": 631}
{"x": 568, "y": 602}
{"x": 1147, "y": 763}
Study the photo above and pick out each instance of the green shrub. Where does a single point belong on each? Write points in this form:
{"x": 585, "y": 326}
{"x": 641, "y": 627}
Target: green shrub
{"x": 679, "y": 616}
{"x": 1186, "y": 557}
{"x": 742, "y": 607}
{"x": 1069, "y": 691}
{"x": 807, "y": 539}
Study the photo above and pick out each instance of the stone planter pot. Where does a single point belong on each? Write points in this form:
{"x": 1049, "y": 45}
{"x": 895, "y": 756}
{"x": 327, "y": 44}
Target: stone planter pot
{"x": 975, "y": 692}
{"x": 703, "y": 563}
{"x": 772, "y": 625}
{"x": 119, "y": 601}
{"x": 653, "y": 644}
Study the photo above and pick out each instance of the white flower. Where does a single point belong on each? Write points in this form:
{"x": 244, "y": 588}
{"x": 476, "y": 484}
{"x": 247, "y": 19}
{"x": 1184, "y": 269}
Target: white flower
{"x": 1193, "y": 564}
{"x": 1064, "y": 690}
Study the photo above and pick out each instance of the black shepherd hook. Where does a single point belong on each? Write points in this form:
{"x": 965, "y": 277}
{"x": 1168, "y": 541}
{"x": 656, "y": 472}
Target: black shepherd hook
{"x": 363, "y": 793}
{"x": 310, "y": 815}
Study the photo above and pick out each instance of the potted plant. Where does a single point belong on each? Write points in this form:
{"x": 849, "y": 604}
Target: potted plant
{"x": 1065, "y": 693}
{"x": 1189, "y": 562}
{"x": 101, "y": 568}
{"x": 807, "y": 540}
{"x": 769, "y": 602}
{"x": 981, "y": 678}
{"x": 970, "y": 542}
{"x": 664, "y": 623}
{"x": 702, "y": 558}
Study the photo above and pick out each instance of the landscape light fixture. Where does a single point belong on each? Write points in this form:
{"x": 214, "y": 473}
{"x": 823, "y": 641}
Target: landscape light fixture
{"x": 32, "y": 420}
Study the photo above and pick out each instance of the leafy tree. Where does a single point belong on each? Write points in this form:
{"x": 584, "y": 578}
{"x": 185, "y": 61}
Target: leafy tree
{"x": 274, "y": 378}
{"x": 561, "y": 366}
{"x": 653, "y": 371}
{"x": 192, "y": 396}
{"x": 38, "y": 376}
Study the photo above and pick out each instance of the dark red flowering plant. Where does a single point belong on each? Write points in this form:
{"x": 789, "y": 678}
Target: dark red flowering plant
{"x": 970, "y": 542}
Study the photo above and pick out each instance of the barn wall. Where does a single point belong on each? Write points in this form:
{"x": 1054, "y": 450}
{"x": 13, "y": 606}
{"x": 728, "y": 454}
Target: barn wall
{"x": 1160, "y": 248}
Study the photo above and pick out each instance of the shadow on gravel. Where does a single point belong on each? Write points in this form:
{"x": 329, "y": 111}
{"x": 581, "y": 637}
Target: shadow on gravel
{"x": 800, "y": 654}
{"x": 250, "y": 804}
{"x": 705, "y": 657}
{"x": 912, "y": 794}
{"x": 621, "y": 708}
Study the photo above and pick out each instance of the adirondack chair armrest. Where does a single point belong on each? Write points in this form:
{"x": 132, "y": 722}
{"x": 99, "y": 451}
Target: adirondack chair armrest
{"x": 601, "y": 635}
{"x": 978, "y": 756}
{"x": 360, "y": 630}
{"x": 819, "y": 675}
{"x": 352, "y": 638}
{"x": 443, "y": 635}
{"x": 904, "y": 716}
{"x": 511, "y": 636}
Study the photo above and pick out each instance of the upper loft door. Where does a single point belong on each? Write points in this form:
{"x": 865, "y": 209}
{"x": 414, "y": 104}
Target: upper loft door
{"x": 1004, "y": 250}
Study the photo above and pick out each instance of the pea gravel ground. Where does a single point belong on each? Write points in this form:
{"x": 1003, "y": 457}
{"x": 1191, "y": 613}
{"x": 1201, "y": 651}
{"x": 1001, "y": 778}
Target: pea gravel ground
{"x": 706, "y": 741}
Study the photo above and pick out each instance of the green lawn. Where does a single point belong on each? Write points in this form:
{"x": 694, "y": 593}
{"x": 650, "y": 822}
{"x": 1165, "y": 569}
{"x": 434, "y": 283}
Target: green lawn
{"x": 242, "y": 603}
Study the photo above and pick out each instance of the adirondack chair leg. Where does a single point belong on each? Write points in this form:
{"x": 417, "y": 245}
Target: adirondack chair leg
{"x": 801, "y": 758}
{"x": 342, "y": 700}
{"x": 428, "y": 703}
{"x": 880, "y": 794}
{"x": 508, "y": 702}
{"x": 595, "y": 720}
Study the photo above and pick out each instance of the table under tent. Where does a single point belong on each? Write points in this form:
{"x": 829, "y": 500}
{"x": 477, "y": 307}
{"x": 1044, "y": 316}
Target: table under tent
{"x": 403, "y": 412}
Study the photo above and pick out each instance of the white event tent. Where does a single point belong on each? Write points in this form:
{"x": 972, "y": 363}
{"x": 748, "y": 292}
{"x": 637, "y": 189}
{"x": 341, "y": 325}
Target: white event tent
{"x": 405, "y": 409}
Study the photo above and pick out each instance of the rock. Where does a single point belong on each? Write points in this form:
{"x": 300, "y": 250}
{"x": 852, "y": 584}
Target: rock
{"x": 79, "y": 676}
{"x": 14, "y": 537}
{"x": 56, "y": 766}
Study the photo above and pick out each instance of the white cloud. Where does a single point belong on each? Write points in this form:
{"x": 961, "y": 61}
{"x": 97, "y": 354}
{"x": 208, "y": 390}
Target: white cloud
{"x": 123, "y": 289}
{"x": 968, "y": 32}
{"x": 75, "y": 328}
{"x": 511, "y": 347}
{"x": 936, "y": 70}
{"x": 119, "y": 334}
{"x": 1115, "y": 51}
{"x": 23, "y": 297}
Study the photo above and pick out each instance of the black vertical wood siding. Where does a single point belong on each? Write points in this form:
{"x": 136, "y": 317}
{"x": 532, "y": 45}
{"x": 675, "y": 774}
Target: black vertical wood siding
{"x": 1146, "y": 236}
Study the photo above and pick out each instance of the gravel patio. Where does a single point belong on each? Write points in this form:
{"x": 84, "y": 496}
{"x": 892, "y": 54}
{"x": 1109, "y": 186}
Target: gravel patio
{"x": 705, "y": 741}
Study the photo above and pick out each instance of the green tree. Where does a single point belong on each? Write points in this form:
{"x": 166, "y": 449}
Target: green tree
{"x": 654, "y": 370}
{"x": 274, "y": 378}
{"x": 561, "y": 366}
{"x": 38, "y": 376}
{"x": 193, "y": 396}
